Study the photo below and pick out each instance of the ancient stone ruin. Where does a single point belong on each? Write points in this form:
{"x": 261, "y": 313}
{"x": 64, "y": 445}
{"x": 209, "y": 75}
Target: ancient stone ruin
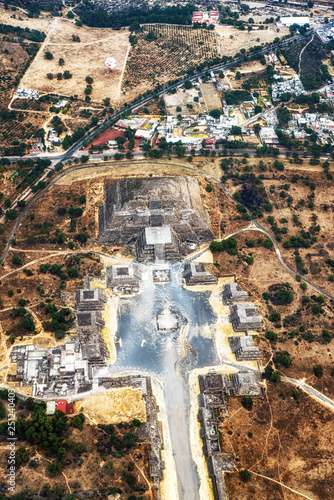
{"x": 244, "y": 348}
{"x": 157, "y": 244}
{"x": 246, "y": 384}
{"x": 233, "y": 293}
{"x": 195, "y": 274}
{"x": 124, "y": 278}
{"x": 70, "y": 368}
{"x": 245, "y": 317}
{"x": 210, "y": 400}
{"x": 156, "y": 218}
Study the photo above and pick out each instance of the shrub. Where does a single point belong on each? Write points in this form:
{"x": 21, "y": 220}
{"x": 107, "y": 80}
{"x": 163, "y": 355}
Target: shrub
{"x": 268, "y": 243}
{"x": 73, "y": 273}
{"x": 270, "y": 335}
{"x": 318, "y": 371}
{"x": 82, "y": 237}
{"x": 247, "y": 402}
{"x": 129, "y": 439}
{"x": 245, "y": 475}
{"x": 274, "y": 317}
{"x": 209, "y": 188}
{"x": 283, "y": 358}
{"x": 16, "y": 260}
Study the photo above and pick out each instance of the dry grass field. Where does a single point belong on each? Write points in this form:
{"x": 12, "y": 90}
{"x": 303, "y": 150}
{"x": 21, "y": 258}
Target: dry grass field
{"x": 82, "y": 59}
{"x": 244, "y": 39}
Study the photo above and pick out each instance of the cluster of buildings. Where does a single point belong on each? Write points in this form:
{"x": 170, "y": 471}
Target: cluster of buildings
{"x": 211, "y": 401}
{"x": 244, "y": 317}
{"x": 22, "y": 93}
{"x": 322, "y": 124}
{"x": 70, "y": 368}
{"x": 211, "y": 17}
{"x": 326, "y": 34}
{"x": 291, "y": 85}
{"x": 144, "y": 126}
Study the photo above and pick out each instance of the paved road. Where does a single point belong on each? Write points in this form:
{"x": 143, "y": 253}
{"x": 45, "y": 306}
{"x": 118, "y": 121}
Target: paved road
{"x": 131, "y": 107}
{"x": 319, "y": 396}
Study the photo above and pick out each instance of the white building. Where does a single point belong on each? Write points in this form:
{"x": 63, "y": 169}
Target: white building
{"x": 268, "y": 135}
{"x": 289, "y": 21}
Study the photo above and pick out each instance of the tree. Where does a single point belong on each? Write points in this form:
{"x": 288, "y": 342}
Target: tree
{"x": 89, "y": 80}
{"x": 28, "y": 324}
{"x": 16, "y": 260}
{"x": 129, "y": 440}
{"x": 318, "y": 371}
{"x": 270, "y": 335}
{"x": 61, "y": 61}
{"x": 188, "y": 84}
{"x": 21, "y": 456}
{"x": 49, "y": 76}
{"x": 245, "y": 474}
{"x": 215, "y": 113}
{"x": 48, "y": 55}
{"x": 235, "y": 130}
{"x": 67, "y": 75}
{"x": 247, "y": 402}
{"x": 257, "y": 128}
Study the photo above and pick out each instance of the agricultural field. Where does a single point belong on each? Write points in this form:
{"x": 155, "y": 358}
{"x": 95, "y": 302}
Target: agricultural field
{"x": 83, "y": 51}
{"x": 163, "y": 53}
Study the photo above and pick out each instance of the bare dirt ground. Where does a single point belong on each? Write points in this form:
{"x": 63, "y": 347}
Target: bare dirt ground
{"x": 244, "y": 39}
{"x": 284, "y": 441}
{"x": 21, "y": 19}
{"x": 181, "y": 99}
{"x": 126, "y": 405}
{"x": 82, "y": 59}
{"x": 211, "y": 97}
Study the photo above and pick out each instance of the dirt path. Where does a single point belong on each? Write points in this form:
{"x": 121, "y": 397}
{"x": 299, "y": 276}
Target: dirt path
{"x": 88, "y": 43}
{"x": 302, "y": 51}
{"x": 123, "y": 69}
{"x": 283, "y": 485}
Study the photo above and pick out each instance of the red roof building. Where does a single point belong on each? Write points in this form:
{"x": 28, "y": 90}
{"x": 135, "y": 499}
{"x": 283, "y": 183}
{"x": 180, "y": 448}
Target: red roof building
{"x": 64, "y": 406}
{"x": 211, "y": 17}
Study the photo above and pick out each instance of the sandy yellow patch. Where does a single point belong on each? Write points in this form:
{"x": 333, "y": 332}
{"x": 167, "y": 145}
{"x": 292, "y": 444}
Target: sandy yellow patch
{"x": 114, "y": 406}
